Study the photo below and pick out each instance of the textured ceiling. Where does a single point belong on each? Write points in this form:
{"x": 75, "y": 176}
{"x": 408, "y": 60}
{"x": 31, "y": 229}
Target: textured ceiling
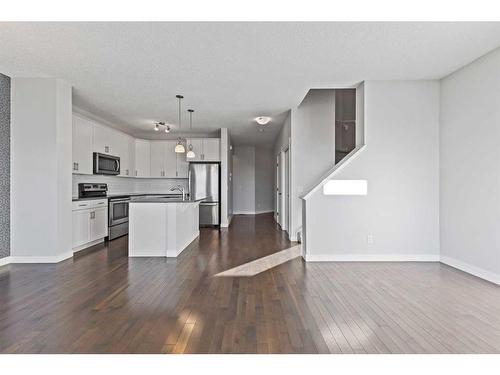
{"x": 129, "y": 73}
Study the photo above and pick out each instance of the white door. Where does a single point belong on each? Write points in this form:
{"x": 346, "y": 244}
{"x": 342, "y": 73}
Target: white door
{"x": 82, "y": 146}
{"x": 142, "y": 158}
{"x": 278, "y": 189}
{"x": 197, "y": 148}
{"x": 170, "y": 159}
{"x": 286, "y": 192}
{"x": 211, "y": 149}
{"x": 157, "y": 159}
{"x": 81, "y": 227}
{"x": 99, "y": 223}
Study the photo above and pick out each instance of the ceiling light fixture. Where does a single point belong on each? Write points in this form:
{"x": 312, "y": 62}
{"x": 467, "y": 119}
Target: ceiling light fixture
{"x": 263, "y": 120}
{"x": 159, "y": 124}
{"x": 167, "y": 129}
{"x": 190, "y": 154}
{"x": 179, "y": 147}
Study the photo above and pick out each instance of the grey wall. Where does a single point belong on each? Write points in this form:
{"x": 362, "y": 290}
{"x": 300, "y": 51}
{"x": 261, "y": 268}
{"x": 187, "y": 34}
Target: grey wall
{"x": 253, "y": 180}
{"x": 313, "y": 147}
{"x": 401, "y": 164}
{"x": 4, "y": 166}
{"x": 244, "y": 180}
{"x": 470, "y": 168}
{"x": 264, "y": 180}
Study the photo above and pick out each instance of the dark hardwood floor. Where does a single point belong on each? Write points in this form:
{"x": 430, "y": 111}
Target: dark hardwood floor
{"x": 103, "y": 302}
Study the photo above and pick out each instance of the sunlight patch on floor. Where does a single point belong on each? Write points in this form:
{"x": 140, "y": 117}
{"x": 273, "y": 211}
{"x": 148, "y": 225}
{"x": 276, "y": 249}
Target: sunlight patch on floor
{"x": 263, "y": 264}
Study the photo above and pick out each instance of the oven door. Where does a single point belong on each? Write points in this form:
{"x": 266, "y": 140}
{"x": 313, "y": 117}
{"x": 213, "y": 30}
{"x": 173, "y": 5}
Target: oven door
{"x": 118, "y": 211}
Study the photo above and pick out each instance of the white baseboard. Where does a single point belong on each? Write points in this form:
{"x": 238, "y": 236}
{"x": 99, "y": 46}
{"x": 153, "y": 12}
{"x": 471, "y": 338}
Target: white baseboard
{"x": 252, "y": 212}
{"x": 188, "y": 242}
{"x": 44, "y": 259}
{"x": 84, "y": 246}
{"x": 371, "y": 258}
{"x": 4, "y": 261}
{"x": 473, "y": 270}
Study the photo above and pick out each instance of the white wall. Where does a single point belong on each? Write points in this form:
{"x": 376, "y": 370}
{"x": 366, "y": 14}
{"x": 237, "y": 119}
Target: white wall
{"x": 226, "y": 170}
{"x": 41, "y": 151}
{"x": 470, "y": 167}
{"x": 244, "y": 180}
{"x": 313, "y": 147}
{"x": 401, "y": 164}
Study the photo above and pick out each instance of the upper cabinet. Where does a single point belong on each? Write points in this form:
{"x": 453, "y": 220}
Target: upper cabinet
{"x": 142, "y": 158}
{"x": 165, "y": 162}
{"x": 138, "y": 157}
{"x": 82, "y": 145}
{"x": 211, "y": 149}
{"x": 105, "y": 140}
{"x": 205, "y": 149}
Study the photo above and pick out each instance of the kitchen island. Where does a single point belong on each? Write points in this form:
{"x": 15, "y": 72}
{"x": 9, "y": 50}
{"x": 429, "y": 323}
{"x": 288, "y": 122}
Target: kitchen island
{"x": 162, "y": 227}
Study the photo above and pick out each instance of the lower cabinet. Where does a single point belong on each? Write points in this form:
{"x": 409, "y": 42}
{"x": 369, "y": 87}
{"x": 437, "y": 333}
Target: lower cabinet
{"x": 90, "y": 222}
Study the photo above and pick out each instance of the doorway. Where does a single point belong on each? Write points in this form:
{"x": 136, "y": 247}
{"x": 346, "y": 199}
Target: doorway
{"x": 283, "y": 189}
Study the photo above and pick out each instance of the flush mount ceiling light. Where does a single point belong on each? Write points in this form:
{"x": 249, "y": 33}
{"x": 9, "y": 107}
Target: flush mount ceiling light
{"x": 263, "y": 120}
{"x": 190, "y": 154}
{"x": 179, "y": 147}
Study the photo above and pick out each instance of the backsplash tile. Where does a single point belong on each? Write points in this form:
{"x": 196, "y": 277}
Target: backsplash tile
{"x": 125, "y": 185}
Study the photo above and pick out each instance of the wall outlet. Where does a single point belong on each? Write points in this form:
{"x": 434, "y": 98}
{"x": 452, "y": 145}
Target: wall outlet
{"x": 369, "y": 239}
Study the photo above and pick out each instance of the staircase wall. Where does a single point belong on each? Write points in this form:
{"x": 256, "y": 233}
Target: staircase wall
{"x": 470, "y": 168}
{"x": 401, "y": 164}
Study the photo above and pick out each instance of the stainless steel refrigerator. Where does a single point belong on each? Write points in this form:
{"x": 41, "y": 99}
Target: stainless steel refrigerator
{"x": 204, "y": 183}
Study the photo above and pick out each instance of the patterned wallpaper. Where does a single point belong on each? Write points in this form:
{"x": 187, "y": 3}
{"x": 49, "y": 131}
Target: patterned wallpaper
{"x": 4, "y": 166}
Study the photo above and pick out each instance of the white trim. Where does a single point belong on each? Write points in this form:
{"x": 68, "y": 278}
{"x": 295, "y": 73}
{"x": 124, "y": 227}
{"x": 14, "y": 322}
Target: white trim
{"x": 252, "y": 212}
{"x": 44, "y": 259}
{"x": 336, "y": 168}
{"x": 88, "y": 244}
{"x": 372, "y": 257}
{"x": 4, "y": 261}
{"x": 186, "y": 244}
{"x": 473, "y": 270}
{"x": 228, "y": 223}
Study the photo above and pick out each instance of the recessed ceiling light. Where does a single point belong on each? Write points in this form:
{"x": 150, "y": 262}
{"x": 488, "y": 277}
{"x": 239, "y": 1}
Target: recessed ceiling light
{"x": 263, "y": 120}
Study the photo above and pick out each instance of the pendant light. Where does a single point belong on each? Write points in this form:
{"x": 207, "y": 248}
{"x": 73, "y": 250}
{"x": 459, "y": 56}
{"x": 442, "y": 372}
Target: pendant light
{"x": 190, "y": 154}
{"x": 179, "y": 147}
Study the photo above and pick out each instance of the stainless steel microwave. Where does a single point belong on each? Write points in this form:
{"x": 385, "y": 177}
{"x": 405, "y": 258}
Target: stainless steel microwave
{"x": 106, "y": 164}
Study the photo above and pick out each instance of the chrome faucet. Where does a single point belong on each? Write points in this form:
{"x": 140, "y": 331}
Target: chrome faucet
{"x": 181, "y": 189}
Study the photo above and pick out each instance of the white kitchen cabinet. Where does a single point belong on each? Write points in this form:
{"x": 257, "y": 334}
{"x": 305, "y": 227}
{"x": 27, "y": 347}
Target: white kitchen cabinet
{"x": 98, "y": 223}
{"x": 89, "y": 222}
{"x": 104, "y": 140}
{"x": 197, "y": 144}
{"x": 142, "y": 158}
{"x": 157, "y": 158}
{"x": 124, "y": 152}
{"x": 205, "y": 149}
{"x": 81, "y": 227}
{"x": 211, "y": 149}
{"x": 170, "y": 159}
{"x": 82, "y": 146}
{"x": 131, "y": 153}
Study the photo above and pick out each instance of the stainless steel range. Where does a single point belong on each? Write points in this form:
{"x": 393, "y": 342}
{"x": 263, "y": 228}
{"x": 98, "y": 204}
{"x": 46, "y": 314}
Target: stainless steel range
{"x": 118, "y": 216}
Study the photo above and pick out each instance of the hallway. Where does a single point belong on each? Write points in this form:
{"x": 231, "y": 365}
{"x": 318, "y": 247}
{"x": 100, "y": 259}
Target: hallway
{"x": 104, "y": 302}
